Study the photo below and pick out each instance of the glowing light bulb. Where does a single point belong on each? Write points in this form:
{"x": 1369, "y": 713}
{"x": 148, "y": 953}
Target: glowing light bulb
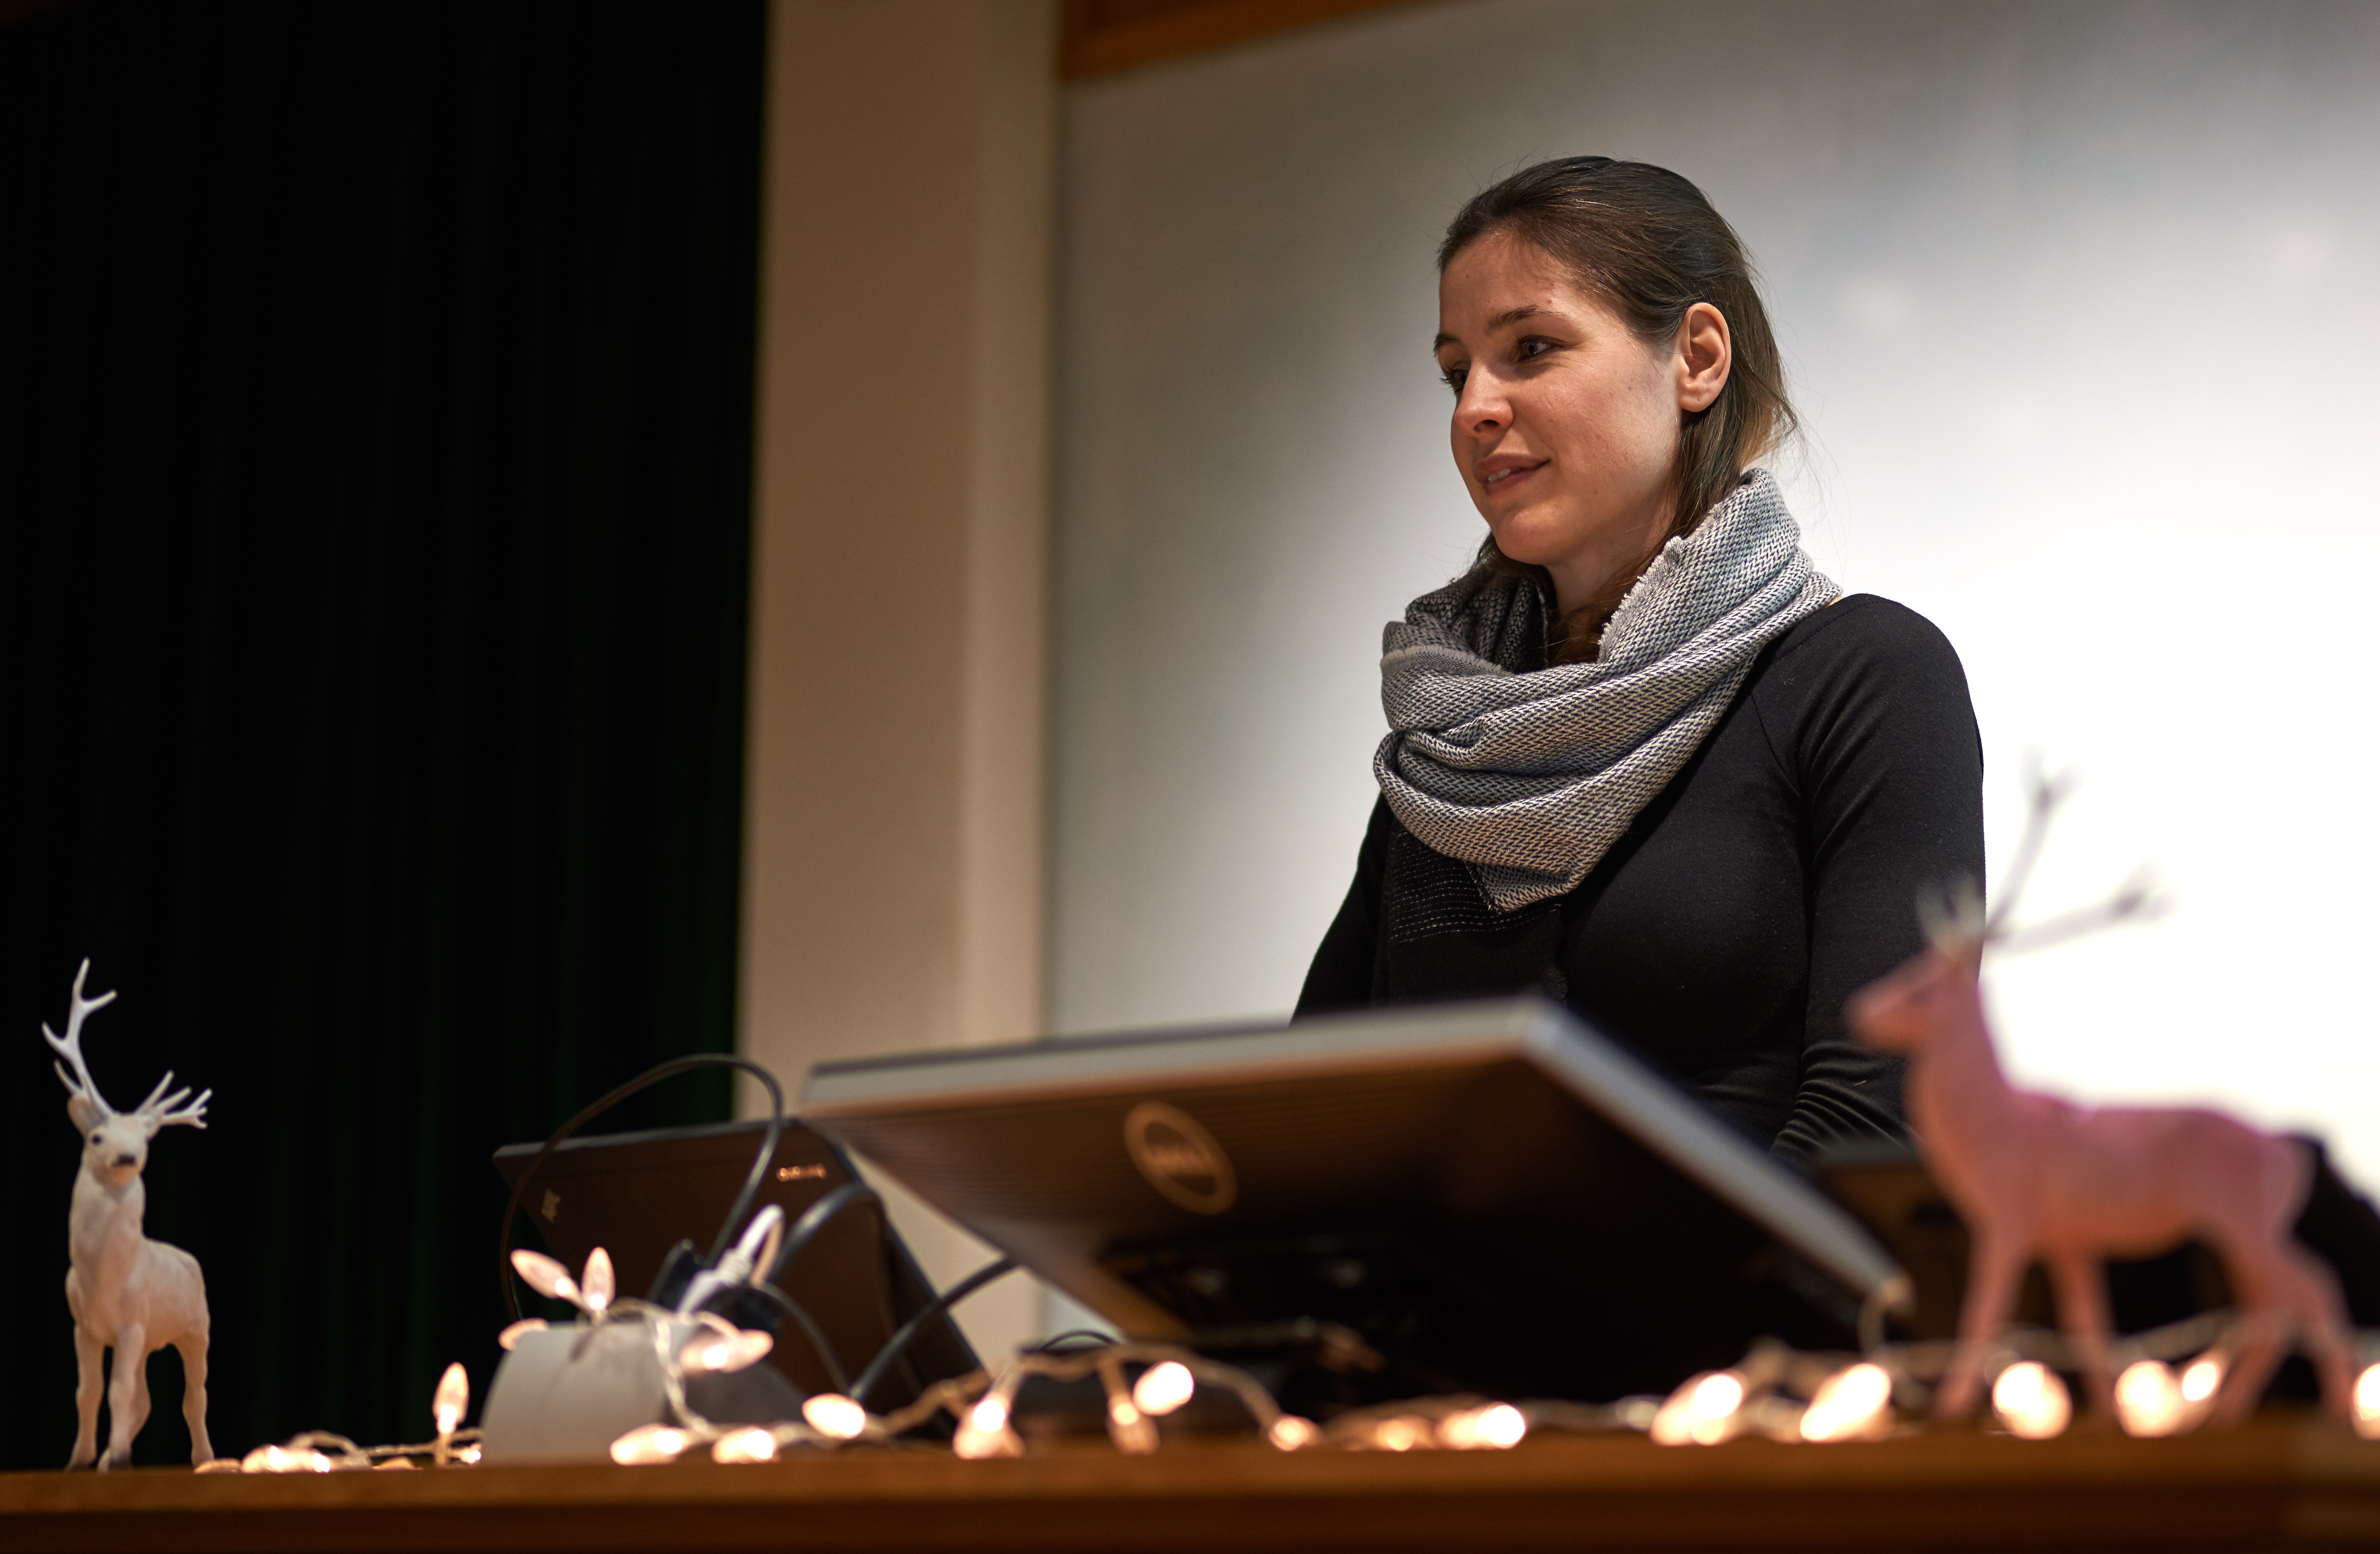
{"x": 1497, "y": 1426}
{"x": 283, "y": 1459}
{"x": 453, "y": 1396}
{"x": 834, "y": 1416}
{"x": 649, "y": 1444}
{"x": 1501, "y": 1427}
{"x": 1854, "y": 1402}
{"x": 724, "y": 1352}
{"x": 2202, "y": 1379}
{"x": 596, "y": 1285}
{"x": 2149, "y": 1401}
{"x": 753, "y": 1445}
{"x": 512, "y": 1335}
{"x": 2367, "y": 1402}
{"x": 468, "y": 1455}
{"x": 545, "y": 1275}
{"x": 1700, "y": 1411}
{"x": 976, "y": 1445}
{"x": 1397, "y": 1434}
{"x": 985, "y": 1432}
{"x": 1718, "y": 1396}
{"x": 752, "y": 1346}
{"x": 2031, "y": 1401}
{"x": 1164, "y": 1387}
{"x": 1132, "y": 1430}
{"x": 1288, "y": 1432}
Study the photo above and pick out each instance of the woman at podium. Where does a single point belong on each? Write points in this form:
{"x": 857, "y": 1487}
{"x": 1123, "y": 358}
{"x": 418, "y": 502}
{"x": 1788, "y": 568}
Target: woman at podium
{"x": 1643, "y": 756}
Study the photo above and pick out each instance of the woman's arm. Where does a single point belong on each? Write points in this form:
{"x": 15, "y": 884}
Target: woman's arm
{"x": 1884, "y": 744}
{"x": 1340, "y": 977}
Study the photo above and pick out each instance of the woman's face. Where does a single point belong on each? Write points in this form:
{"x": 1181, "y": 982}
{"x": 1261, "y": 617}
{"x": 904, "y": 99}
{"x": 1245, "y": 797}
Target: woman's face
{"x": 1566, "y": 424}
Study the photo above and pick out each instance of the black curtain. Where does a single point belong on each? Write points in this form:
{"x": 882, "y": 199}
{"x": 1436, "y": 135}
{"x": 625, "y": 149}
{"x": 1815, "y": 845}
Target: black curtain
{"x": 375, "y": 438}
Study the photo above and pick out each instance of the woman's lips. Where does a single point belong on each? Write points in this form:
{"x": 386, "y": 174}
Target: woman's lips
{"x": 1509, "y": 478}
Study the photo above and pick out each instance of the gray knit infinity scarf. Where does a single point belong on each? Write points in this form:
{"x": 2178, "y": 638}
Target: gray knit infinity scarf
{"x": 1530, "y": 777}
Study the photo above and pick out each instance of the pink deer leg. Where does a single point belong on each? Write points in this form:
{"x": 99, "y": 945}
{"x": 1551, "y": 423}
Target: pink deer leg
{"x": 2082, "y": 1312}
{"x": 90, "y": 1379}
{"x": 2321, "y": 1313}
{"x": 140, "y": 1395}
{"x": 125, "y": 1407}
{"x": 194, "y": 1394}
{"x": 1997, "y": 1261}
{"x": 2284, "y": 1293}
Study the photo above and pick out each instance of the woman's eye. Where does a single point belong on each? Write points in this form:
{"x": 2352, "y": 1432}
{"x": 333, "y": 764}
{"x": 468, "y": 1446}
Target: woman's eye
{"x": 1452, "y": 377}
{"x": 1534, "y": 347}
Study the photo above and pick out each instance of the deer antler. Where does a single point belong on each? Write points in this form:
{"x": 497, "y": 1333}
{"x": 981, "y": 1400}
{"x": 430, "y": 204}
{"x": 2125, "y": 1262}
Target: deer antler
{"x": 80, "y": 1083}
{"x": 193, "y": 1115}
{"x": 2047, "y": 793}
{"x": 1953, "y": 918}
{"x": 2139, "y": 896}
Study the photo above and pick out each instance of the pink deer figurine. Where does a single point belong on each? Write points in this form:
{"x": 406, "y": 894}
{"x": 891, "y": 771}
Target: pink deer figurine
{"x": 126, "y": 1291}
{"x": 2036, "y": 1176}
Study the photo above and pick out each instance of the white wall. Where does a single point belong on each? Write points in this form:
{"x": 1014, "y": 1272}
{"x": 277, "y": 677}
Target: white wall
{"x": 2080, "y": 306}
{"x": 893, "y": 792}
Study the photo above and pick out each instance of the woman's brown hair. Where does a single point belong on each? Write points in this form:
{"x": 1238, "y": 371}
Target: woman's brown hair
{"x": 1647, "y": 243}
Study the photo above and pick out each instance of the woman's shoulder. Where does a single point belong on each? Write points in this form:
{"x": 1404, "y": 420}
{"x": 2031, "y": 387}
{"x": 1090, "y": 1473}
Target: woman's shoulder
{"x": 1862, "y": 633}
{"x": 1862, "y": 662}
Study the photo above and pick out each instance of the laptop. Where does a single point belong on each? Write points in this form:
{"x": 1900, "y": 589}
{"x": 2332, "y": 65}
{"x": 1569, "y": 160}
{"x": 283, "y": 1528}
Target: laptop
{"x": 1485, "y": 1196}
{"x": 636, "y": 1194}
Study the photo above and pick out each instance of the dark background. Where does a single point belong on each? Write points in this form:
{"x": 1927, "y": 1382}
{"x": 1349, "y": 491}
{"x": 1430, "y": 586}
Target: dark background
{"x": 375, "y": 409}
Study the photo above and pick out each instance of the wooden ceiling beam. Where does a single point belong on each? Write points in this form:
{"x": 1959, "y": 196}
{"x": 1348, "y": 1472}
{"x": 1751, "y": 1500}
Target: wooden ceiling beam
{"x": 1102, "y": 37}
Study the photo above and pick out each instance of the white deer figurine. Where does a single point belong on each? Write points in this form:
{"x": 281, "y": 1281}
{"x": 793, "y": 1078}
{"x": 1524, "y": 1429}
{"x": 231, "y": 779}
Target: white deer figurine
{"x": 128, "y": 1293}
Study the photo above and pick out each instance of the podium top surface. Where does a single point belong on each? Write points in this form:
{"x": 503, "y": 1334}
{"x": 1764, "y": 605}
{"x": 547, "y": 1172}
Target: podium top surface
{"x": 2284, "y": 1481}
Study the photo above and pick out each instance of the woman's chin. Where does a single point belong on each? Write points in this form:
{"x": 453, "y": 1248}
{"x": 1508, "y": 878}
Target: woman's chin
{"x": 1530, "y": 544}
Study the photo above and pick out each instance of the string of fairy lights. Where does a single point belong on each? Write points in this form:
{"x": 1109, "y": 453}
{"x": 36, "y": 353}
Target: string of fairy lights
{"x": 324, "y": 1451}
{"x": 2167, "y": 1382}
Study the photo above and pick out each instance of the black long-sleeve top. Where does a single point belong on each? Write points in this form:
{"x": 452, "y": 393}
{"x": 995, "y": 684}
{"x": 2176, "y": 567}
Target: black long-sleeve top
{"x": 1775, "y": 875}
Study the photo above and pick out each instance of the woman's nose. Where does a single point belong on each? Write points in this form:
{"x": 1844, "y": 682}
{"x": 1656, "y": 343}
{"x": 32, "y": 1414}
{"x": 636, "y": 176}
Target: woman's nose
{"x": 1482, "y": 408}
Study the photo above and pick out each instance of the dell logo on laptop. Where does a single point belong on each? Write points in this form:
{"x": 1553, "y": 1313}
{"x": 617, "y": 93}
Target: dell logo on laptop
{"x": 1179, "y": 1157}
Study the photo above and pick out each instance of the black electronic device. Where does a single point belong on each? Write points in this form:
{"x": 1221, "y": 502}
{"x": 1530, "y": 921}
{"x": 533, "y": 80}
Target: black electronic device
{"x": 639, "y": 1195}
{"x": 1888, "y": 1187}
{"x": 1487, "y": 1197}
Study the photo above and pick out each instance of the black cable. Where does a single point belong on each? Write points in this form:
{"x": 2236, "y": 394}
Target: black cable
{"x": 759, "y": 1173}
{"x": 814, "y": 1219}
{"x": 909, "y": 1330}
{"x": 887, "y": 1281}
{"x": 1093, "y": 1337}
{"x": 811, "y": 1330}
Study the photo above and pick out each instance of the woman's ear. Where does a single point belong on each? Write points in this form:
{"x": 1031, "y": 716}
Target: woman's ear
{"x": 1704, "y": 354}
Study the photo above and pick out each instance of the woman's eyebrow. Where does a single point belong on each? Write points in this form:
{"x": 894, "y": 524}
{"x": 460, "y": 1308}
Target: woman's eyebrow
{"x": 1509, "y": 316}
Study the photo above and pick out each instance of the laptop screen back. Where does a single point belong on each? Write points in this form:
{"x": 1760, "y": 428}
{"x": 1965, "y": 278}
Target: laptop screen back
{"x": 636, "y": 1194}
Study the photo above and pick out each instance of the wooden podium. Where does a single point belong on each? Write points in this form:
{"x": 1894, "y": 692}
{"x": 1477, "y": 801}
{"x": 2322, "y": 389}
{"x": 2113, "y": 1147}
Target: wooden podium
{"x": 2283, "y": 1483}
